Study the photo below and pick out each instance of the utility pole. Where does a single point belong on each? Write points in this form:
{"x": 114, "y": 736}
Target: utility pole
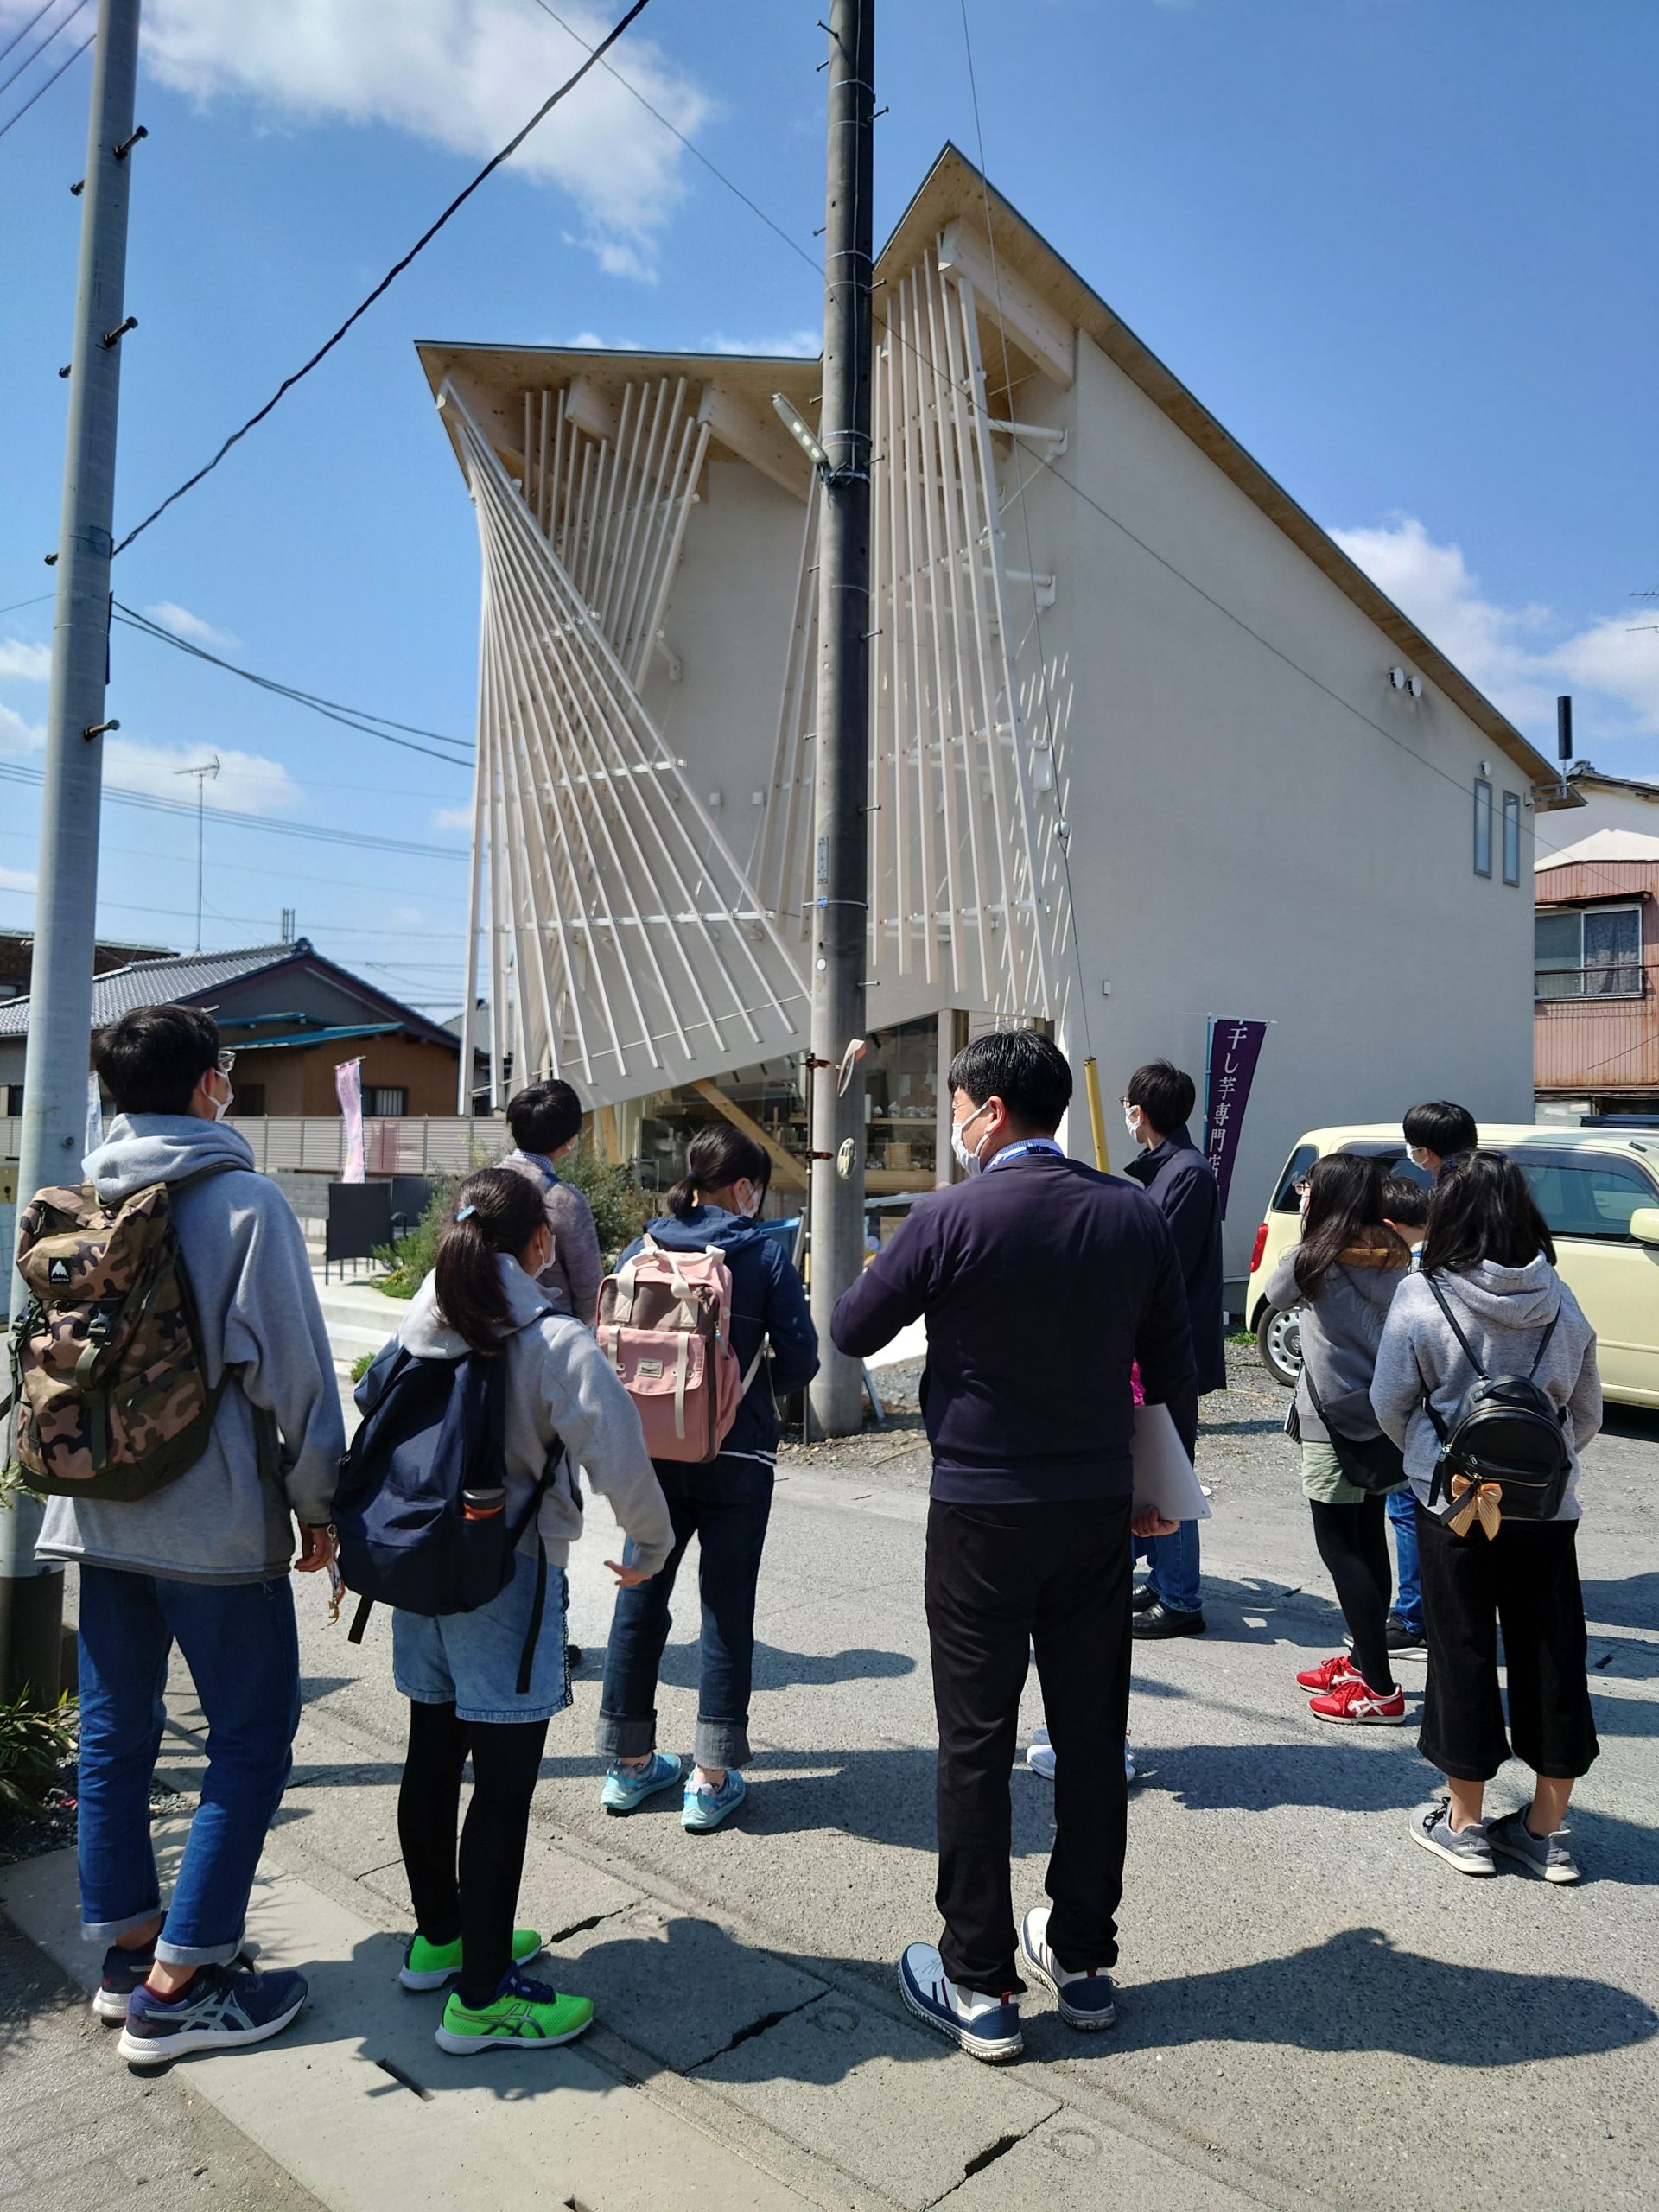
{"x": 65, "y": 910}
{"x": 841, "y": 790}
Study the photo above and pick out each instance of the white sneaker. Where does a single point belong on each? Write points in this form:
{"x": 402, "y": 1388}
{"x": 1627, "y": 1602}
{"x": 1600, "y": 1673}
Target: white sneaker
{"x": 1041, "y": 1760}
{"x": 1087, "y": 1998}
{"x": 985, "y": 2027}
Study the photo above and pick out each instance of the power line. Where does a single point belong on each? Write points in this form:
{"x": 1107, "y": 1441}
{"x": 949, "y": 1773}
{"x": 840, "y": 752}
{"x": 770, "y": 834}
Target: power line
{"x": 695, "y": 152}
{"x": 394, "y": 271}
{"x": 357, "y": 718}
{"x": 149, "y": 803}
{"x": 17, "y": 605}
{"x": 17, "y": 37}
{"x": 30, "y": 60}
{"x": 21, "y": 113}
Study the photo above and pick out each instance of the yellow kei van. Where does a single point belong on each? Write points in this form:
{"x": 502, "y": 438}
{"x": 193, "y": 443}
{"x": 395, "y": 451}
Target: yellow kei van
{"x": 1598, "y": 1190}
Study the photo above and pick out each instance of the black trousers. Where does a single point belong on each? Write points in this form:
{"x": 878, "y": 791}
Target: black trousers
{"x": 1353, "y": 1543}
{"x": 1002, "y": 1580}
{"x": 1526, "y": 1581}
{"x": 471, "y": 1892}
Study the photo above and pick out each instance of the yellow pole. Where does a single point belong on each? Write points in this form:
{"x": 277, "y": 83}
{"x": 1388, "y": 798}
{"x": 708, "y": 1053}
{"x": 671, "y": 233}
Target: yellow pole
{"x": 1096, "y": 1118}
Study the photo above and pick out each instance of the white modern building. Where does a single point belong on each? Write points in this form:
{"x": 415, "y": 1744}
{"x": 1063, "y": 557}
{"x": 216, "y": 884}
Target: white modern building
{"x": 1148, "y": 748}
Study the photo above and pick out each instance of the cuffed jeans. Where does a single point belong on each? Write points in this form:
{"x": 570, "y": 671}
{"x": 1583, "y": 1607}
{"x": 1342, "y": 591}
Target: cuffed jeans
{"x": 239, "y": 1642}
{"x": 1408, "y": 1573}
{"x": 1003, "y": 1581}
{"x": 1173, "y": 1561}
{"x": 725, "y": 1507}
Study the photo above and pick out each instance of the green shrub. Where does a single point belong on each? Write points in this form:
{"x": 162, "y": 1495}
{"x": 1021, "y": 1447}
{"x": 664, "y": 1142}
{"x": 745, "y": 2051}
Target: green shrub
{"x": 621, "y": 1212}
{"x": 33, "y": 1746}
{"x": 362, "y": 1363}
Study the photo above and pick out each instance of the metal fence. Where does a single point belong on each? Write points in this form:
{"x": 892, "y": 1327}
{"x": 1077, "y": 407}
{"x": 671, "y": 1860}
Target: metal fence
{"x": 435, "y": 1144}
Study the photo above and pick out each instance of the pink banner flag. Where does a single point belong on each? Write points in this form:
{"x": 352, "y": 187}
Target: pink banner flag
{"x": 348, "y": 1088}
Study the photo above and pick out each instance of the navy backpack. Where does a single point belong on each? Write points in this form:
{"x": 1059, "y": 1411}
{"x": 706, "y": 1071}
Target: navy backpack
{"x": 431, "y": 1429}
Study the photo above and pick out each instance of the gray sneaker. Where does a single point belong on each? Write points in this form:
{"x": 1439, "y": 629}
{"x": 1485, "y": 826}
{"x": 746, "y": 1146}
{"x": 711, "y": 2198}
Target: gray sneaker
{"x": 1467, "y": 1849}
{"x": 1539, "y": 1854}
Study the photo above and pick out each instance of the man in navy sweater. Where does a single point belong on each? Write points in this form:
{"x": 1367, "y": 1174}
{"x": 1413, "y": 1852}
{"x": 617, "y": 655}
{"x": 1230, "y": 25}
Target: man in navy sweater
{"x": 1041, "y": 1282}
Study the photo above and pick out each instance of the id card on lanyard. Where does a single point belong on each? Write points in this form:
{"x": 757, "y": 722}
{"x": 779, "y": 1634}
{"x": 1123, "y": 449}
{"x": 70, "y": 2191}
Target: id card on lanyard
{"x": 1023, "y": 1150}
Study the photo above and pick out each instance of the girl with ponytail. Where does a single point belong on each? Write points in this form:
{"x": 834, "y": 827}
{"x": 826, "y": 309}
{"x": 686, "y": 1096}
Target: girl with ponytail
{"x": 561, "y": 1407}
{"x": 725, "y": 1501}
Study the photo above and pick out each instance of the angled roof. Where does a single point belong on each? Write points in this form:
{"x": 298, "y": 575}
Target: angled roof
{"x": 954, "y": 189}
{"x": 194, "y": 976}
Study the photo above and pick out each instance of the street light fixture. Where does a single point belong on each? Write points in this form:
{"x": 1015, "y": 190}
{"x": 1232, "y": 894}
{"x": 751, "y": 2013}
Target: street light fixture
{"x": 796, "y": 424}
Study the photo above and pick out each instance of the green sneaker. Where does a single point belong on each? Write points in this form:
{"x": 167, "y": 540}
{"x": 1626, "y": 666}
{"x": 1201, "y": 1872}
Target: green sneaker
{"x": 522, "y": 2013}
{"x": 430, "y": 1965}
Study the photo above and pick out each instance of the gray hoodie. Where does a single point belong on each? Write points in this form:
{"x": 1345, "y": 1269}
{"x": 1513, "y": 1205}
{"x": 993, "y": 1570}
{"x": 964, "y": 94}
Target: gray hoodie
{"x": 1340, "y": 1331}
{"x": 1504, "y": 1312}
{"x": 561, "y": 1390}
{"x": 273, "y": 1453}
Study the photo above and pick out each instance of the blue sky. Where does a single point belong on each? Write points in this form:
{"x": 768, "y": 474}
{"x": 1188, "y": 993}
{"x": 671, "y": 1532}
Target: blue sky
{"x": 1398, "y": 247}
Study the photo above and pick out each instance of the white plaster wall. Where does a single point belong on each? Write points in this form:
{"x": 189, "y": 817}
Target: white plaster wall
{"x": 1602, "y": 810}
{"x": 730, "y": 614}
{"x": 1242, "y": 843}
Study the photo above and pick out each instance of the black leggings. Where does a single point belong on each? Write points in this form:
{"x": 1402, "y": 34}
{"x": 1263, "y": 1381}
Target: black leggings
{"x": 1354, "y": 1544}
{"x": 476, "y": 1896}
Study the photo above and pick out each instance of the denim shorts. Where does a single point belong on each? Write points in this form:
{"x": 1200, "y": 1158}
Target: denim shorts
{"x": 471, "y": 1660}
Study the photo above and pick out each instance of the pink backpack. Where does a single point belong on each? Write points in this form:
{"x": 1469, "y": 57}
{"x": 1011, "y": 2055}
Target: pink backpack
{"x": 664, "y": 1324}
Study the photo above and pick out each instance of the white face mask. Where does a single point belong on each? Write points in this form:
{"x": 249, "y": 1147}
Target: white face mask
{"x": 969, "y": 1160}
{"x": 750, "y": 1207}
{"x": 222, "y": 1106}
{"x": 1132, "y": 1120}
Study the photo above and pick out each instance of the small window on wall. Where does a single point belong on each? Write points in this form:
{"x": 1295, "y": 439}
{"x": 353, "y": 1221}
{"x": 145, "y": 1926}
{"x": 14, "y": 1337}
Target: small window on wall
{"x": 250, "y": 1099}
{"x": 1512, "y": 836}
{"x": 386, "y": 1102}
{"x": 1483, "y": 826}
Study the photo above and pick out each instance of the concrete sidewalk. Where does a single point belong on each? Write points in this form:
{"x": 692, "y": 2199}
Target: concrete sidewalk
{"x": 1315, "y": 2014}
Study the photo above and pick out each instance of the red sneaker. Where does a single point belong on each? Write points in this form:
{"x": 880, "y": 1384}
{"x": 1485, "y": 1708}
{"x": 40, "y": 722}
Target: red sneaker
{"x": 1327, "y": 1673}
{"x": 1352, "y": 1698}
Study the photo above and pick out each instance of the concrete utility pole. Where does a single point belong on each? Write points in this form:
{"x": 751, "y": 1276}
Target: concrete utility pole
{"x": 66, "y": 909}
{"x": 841, "y": 791}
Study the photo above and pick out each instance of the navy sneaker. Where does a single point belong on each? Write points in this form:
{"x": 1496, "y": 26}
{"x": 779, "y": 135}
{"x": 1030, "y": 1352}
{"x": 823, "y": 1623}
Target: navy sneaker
{"x": 122, "y": 1973}
{"x": 220, "y": 2009}
{"x": 985, "y": 2027}
{"x": 1087, "y": 1998}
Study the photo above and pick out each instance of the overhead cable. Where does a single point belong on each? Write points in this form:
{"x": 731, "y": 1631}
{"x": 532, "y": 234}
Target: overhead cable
{"x": 394, "y": 271}
{"x": 18, "y": 114}
{"x": 54, "y": 33}
{"x": 360, "y": 718}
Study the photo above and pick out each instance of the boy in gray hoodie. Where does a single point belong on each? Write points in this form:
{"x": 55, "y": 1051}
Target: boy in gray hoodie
{"x": 202, "y": 1562}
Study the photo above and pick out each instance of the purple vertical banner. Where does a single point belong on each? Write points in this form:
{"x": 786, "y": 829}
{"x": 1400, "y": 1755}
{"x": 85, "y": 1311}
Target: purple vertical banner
{"x": 348, "y": 1089}
{"x": 1235, "y": 1047}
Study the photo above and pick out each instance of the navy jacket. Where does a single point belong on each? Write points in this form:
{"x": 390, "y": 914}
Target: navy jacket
{"x": 1181, "y": 1183}
{"x": 768, "y": 1300}
{"x": 1040, "y": 1281}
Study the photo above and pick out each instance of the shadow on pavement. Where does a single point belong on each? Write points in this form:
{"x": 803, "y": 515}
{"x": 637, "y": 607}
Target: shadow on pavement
{"x": 1631, "y": 1602}
{"x": 1341, "y": 1774}
{"x": 776, "y": 1669}
{"x": 1358, "y": 1993}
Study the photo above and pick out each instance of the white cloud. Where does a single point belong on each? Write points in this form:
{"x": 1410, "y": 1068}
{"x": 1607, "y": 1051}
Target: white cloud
{"x": 1520, "y": 656}
{"x": 172, "y": 616}
{"x": 32, "y": 663}
{"x": 16, "y": 878}
{"x": 465, "y": 74}
{"x": 804, "y": 344}
{"x": 453, "y": 818}
{"x": 247, "y": 782}
{"x": 18, "y": 736}
{"x": 407, "y": 917}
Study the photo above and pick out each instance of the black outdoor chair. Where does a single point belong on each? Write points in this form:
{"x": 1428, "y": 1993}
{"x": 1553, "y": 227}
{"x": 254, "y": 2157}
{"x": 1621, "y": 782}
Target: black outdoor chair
{"x": 360, "y": 1221}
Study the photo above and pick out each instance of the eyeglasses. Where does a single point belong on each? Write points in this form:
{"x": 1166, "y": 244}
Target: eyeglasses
{"x": 224, "y": 1062}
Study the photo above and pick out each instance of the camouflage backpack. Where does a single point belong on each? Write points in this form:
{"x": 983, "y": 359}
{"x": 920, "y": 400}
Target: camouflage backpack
{"x": 107, "y": 1371}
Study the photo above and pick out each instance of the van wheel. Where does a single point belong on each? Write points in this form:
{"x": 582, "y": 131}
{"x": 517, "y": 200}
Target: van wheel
{"x": 1278, "y": 1340}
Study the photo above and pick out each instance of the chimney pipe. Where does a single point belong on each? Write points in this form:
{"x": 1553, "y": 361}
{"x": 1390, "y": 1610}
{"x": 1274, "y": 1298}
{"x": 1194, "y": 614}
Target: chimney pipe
{"x": 1564, "y": 727}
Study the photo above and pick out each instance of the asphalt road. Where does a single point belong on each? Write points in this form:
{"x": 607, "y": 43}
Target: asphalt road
{"x": 1313, "y": 2010}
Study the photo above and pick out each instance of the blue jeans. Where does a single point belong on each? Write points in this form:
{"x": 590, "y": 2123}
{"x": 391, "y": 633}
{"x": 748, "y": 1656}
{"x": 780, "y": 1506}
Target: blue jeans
{"x": 239, "y": 1642}
{"x": 727, "y": 1508}
{"x": 1409, "y": 1587}
{"x": 1172, "y": 1567}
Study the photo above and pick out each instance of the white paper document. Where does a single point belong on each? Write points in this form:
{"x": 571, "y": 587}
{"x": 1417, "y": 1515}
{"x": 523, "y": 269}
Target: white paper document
{"x": 1164, "y": 1476}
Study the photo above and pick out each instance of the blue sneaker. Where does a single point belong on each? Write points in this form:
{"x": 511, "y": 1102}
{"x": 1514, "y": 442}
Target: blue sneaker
{"x": 985, "y": 2027}
{"x": 705, "y": 1808}
{"x": 124, "y": 1971}
{"x": 1087, "y": 1998}
{"x": 221, "y": 2009}
{"x": 627, "y": 1788}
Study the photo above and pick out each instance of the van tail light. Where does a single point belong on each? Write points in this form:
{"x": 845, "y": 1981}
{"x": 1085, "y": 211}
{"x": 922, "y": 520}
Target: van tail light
{"x": 1260, "y": 1247}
